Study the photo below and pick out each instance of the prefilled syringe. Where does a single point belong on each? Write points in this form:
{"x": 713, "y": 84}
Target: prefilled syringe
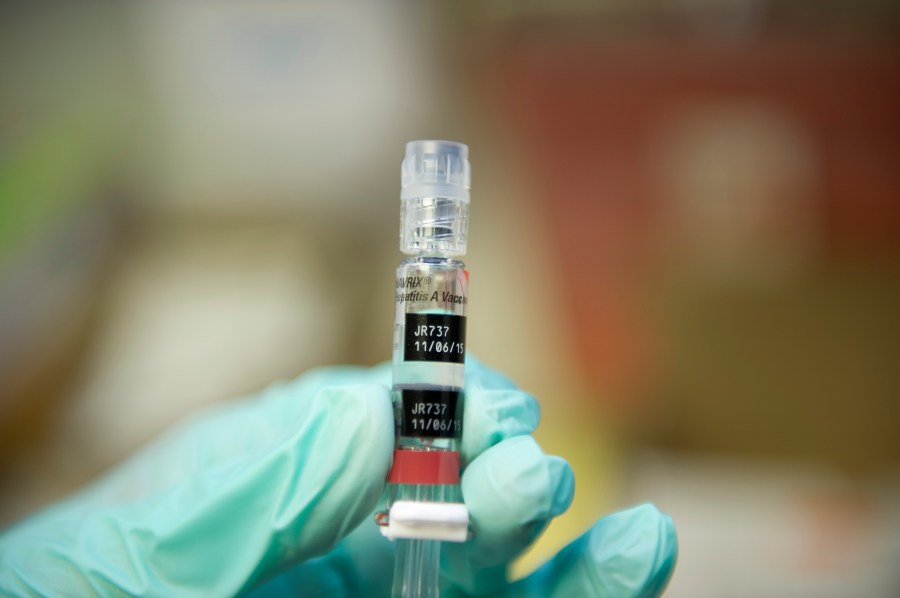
{"x": 424, "y": 500}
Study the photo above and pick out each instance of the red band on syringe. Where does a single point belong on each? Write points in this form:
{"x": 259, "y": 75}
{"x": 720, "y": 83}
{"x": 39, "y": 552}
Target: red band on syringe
{"x": 424, "y": 467}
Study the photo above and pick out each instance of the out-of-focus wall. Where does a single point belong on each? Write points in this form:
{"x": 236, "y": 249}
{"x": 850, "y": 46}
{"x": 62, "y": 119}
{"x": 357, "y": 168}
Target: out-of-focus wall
{"x": 717, "y": 186}
{"x": 725, "y": 220}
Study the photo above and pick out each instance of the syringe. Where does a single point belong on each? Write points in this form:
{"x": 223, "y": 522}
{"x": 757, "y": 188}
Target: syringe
{"x": 424, "y": 500}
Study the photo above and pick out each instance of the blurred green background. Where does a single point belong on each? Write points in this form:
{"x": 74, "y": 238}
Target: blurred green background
{"x": 685, "y": 240}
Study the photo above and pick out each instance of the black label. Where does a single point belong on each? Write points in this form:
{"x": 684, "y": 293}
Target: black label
{"x": 435, "y": 337}
{"x": 431, "y": 414}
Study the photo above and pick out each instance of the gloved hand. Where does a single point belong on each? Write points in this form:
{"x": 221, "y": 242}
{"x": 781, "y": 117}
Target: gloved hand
{"x": 273, "y": 495}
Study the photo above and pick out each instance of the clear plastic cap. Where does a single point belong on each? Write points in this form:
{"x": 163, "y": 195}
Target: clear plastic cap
{"x": 434, "y": 180}
{"x": 434, "y": 168}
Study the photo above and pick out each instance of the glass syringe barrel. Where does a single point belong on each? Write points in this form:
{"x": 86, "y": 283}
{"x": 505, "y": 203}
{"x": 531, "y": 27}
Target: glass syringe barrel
{"x": 428, "y": 365}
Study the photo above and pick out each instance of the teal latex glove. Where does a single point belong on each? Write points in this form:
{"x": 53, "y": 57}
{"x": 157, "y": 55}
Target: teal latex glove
{"x": 273, "y": 495}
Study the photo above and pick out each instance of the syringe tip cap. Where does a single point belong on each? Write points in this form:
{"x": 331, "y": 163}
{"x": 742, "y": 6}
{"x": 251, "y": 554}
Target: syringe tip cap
{"x": 436, "y": 168}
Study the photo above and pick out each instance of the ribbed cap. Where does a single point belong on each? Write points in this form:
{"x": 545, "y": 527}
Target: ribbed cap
{"x": 434, "y": 168}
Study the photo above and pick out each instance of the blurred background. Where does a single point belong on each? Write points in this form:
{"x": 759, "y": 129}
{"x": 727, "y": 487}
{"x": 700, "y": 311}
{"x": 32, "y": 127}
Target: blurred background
{"x": 685, "y": 240}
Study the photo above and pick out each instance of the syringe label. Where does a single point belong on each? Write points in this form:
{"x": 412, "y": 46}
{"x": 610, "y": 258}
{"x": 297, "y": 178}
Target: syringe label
{"x": 431, "y": 414}
{"x": 435, "y": 337}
